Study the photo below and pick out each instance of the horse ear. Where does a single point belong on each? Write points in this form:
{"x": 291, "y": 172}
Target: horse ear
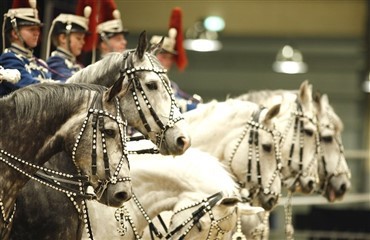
{"x": 142, "y": 45}
{"x": 245, "y": 208}
{"x": 155, "y": 48}
{"x": 305, "y": 92}
{"x": 118, "y": 89}
{"x": 324, "y": 100}
{"x": 272, "y": 112}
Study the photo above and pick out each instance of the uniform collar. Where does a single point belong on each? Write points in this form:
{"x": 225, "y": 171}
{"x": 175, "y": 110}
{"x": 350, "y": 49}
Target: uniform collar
{"x": 64, "y": 54}
{"x": 21, "y": 50}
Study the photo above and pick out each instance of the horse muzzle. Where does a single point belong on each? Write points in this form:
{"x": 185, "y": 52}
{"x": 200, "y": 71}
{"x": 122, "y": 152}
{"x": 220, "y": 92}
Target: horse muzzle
{"x": 114, "y": 195}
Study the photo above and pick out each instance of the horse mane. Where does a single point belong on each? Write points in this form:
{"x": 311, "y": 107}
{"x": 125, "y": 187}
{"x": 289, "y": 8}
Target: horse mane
{"x": 103, "y": 72}
{"x": 258, "y": 96}
{"x": 34, "y": 100}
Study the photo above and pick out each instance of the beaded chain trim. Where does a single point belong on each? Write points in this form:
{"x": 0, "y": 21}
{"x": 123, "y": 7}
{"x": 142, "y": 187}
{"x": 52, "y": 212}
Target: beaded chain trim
{"x": 122, "y": 214}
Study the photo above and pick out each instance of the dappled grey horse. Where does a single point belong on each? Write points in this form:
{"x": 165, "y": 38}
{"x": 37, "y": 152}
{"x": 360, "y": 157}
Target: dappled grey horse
{"x": 35, "y": 124}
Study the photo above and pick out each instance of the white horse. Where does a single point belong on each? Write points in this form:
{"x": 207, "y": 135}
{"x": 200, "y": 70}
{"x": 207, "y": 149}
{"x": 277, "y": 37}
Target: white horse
{"x": 243, "y": 137}
{"x": 300, "y": 143}
{"x": 163, "y": 183}
{"x": 333, "y": 172}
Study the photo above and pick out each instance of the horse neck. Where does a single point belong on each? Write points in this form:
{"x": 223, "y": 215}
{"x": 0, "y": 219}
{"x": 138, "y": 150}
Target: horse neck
{"x": 35, "y": 150}
{"x": 225, "y": 120}
{"x": 104, "y": 72}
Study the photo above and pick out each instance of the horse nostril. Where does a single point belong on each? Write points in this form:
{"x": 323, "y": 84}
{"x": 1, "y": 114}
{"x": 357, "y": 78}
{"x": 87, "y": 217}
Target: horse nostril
{"x": 183, "y": 143}
{"x": 272, "y": 201}
{"x": 343, "y": 188}
{"x": 311, "y": 184}
{"x": 122, "y": 196}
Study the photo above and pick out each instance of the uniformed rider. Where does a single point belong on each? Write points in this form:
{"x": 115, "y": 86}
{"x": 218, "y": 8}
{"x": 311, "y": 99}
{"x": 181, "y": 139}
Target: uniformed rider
{"x": 21, "y": 31}
{"x": 67, "y": 33}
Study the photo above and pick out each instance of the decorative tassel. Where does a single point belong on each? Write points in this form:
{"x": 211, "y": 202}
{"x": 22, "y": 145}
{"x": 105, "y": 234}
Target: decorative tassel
{"x": 176, "y": 22}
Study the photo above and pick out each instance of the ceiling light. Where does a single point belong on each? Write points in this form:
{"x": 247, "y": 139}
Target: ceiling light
{"x": 214, "y": 23}
{"x": 289, "y": 61}
{"x": 203, "y": 37}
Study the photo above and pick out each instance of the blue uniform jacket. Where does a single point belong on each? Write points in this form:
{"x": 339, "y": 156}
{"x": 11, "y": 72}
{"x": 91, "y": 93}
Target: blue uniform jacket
{"x": 185, "y": 101}
{"x": 32, "y": 69}
{"x": 63, "y": 64}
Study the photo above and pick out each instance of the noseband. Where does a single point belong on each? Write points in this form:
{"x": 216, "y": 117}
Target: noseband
{"x": 131, "y": 72}
{"x": 253, "y": 126}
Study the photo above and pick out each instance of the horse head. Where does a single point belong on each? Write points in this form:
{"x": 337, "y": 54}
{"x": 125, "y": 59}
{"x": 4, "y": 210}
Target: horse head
{"x": 149, "y": 102}
{"x": 98, "y": 148}
{"x": 255, "y": 159}
{"x": 334, "y": 174}
{"x": 300, "y": 144}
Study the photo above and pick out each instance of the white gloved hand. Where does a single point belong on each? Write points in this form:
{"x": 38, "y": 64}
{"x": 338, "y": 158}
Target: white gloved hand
{"x": 10, "y": 75}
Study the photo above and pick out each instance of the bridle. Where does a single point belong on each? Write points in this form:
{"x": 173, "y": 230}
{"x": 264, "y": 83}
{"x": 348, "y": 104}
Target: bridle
{"x": 131, "y": 72}
{"x": 298, "y": 116}
{"x": 338, "y": 170}
{"x": 253, "y": 127}
{"x": 55, "y": 179}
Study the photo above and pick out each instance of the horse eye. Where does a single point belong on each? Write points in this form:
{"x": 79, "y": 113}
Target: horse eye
{"x": 308, "y": 132}
{"x": 267, "y": 147}
{"x": 327, "y": 139}
{"x": 152, "y": 86}
{"x": 110, "y": 133}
